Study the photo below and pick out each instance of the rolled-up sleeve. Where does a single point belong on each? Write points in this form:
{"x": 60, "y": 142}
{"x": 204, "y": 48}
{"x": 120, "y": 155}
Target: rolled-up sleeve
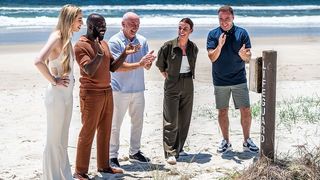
{"x": 196, "y": 50}
{"x": 246, "y": 39}
{"x": 212, "y": 42}
{"x": 162, "y": 58}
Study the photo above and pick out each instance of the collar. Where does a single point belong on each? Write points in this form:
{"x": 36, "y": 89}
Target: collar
{"x": 231, "y": 31}
{"x": 175, "y": 43}
{"x": 124, "y": 39}
{"x": 84, "y": 39}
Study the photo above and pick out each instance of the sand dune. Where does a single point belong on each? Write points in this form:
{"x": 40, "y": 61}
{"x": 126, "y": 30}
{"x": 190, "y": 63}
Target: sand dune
{"x": 23, "y": 122}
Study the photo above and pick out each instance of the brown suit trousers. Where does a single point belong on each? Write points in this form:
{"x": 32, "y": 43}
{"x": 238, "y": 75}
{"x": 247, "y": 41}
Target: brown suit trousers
{"x": 96, "y": 114}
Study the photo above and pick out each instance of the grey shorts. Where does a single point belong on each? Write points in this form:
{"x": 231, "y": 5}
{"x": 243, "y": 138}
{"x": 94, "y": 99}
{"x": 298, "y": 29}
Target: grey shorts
{"x": 240, "y": 96}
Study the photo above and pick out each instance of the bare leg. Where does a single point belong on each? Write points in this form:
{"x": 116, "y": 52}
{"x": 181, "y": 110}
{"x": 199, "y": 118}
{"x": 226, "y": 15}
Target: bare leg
{"x": 224, "y": 123}
{"x": 245, "y": 121}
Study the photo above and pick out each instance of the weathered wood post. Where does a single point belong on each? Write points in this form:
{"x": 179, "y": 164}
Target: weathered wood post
{"x": 255, "y": 74}
{"x": 268, "y": 103}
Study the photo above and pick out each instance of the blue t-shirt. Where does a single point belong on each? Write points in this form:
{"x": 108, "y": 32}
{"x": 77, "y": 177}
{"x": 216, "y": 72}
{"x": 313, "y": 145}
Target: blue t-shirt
{"x": 229, "y": 68}
{"x": 131, "y": 81}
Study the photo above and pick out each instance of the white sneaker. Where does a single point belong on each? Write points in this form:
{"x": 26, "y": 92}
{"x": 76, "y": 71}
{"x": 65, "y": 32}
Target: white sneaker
{"x": 172, "y": 160}
{"x": 224, "y": 147}
{"x": 182, "y": 153}
{"x": 250, "y": 146}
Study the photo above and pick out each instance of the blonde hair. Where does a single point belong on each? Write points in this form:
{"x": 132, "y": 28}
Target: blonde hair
{"x": 67, "y": 17}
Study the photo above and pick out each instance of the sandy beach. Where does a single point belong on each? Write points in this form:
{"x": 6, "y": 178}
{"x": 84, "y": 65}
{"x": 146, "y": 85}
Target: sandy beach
{"x": 23, "y": 116}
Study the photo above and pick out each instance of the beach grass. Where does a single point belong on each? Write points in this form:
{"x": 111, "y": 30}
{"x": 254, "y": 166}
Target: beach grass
{"x": 304, "y": 164}
{"x": 293, "y": 110}
{"x": 289, "y": 111}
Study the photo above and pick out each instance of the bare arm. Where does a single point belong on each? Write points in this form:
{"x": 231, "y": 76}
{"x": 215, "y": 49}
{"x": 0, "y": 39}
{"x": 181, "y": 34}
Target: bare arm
{"x": 145, "y": 61}
{"x": 129, "y": 66}
{"x": 52, "y": 43}
{"x": 44, "y": 54}
{"x": 214, "y": 54}
{"x": 118, "y": 62}
{"x": 92, "y": 67}
{"x": 130, "y": 49}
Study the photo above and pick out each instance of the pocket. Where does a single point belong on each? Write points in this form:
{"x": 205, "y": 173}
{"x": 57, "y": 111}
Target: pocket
{"x": 174, "y": 65}
{"x": 173, "y": 56}
{"x": 171, "y": 84}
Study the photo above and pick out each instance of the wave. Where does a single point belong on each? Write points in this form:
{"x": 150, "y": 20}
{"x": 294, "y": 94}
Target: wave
{"x": 199, "y": 20}
{"x": 164, "y": 7}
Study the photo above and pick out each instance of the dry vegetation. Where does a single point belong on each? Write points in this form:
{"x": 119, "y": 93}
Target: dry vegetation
{"x": 306, "y": 166}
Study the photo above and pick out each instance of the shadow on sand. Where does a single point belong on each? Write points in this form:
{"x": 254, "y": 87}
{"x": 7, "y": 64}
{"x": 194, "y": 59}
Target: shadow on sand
{"x": 239, "y": 157}
{"x": 133, "y": 167}
{"x": 199, "y": 158}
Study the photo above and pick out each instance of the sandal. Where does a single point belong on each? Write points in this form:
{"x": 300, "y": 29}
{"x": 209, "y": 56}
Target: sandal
{"x": 81, "y": 176}
{"x": 111, "y": 170}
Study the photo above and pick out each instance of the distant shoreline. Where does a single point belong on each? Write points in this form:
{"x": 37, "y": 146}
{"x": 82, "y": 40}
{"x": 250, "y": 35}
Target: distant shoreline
{"x": 40, "y": 35}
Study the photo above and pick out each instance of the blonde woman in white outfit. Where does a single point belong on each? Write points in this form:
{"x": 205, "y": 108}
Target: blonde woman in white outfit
{"x": 55, "y": 62}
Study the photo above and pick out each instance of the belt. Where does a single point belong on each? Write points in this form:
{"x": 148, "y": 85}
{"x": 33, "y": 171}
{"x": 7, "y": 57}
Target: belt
{"x": 185, "y": 75}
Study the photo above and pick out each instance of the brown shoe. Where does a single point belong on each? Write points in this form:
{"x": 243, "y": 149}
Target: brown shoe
{"x": 81, "y": 176}
{"x": 112, "y": 170}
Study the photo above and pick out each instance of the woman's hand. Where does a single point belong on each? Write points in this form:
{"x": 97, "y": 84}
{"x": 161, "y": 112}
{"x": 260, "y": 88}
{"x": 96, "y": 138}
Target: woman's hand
{"x": 164, "y": 74}
{"x": 62, "y": 81}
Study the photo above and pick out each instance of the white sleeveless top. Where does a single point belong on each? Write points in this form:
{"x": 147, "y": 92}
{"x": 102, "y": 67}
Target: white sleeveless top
{"x": 57, "y": 64}
{"x": 185, "y": 67}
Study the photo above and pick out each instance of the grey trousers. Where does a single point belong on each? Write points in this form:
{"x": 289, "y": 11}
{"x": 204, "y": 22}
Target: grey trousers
{"x": 177, "y": 110}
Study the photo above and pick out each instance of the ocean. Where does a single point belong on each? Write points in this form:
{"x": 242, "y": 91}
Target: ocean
{"x": 273, "y": 17}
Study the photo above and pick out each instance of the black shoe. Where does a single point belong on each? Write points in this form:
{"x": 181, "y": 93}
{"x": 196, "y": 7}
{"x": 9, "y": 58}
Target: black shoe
{"x": 114, "y": 162}
{"x": 139, "y": 157}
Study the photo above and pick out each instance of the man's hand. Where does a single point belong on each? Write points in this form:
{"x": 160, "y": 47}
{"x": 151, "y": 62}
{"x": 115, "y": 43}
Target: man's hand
{"x": 245, "y": 53}
{"x": 130, "y": 48}
{"x": 222, "y": 40}
{"x": 99, "y": 48}
{"x": 146, "y": 61}
{"x": 213, "y": 54}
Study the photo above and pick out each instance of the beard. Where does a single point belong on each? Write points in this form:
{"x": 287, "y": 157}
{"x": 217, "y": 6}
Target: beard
{"x": 97, "y": 34}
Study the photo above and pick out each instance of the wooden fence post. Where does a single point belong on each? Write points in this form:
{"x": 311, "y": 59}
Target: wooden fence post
{"x": 268, "y": 103}
{"x": 255, "y": 74}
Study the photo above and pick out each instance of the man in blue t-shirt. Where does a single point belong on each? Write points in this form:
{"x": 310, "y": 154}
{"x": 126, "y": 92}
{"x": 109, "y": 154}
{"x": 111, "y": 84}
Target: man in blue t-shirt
{"x": 229, "y": 49}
